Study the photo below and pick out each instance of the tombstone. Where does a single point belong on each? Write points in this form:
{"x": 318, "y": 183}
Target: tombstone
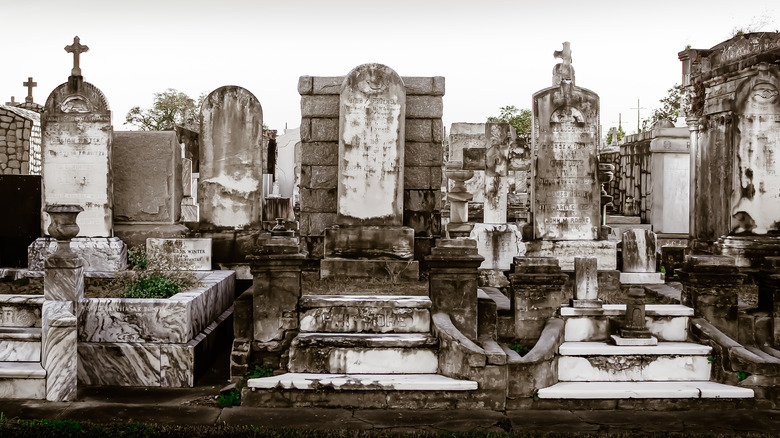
{"x": 179, "y": 254}
{"x": 566, "y": 195}
{"x": 465, "y": 136}
{"x": 231, "y": 162}
{"x": 147, "y": 186}
{"x": 586, "y": 283}
{"x": 20, "y": 229}
{"x": 370, "y": 193}
{"x": 76, "y": 169}
{"x": 639, "y": 258}
{"x": 190, "y": 211}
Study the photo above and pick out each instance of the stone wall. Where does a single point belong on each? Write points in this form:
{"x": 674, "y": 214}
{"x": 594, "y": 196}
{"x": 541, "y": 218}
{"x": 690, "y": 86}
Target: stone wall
{"x": 319, "y": 158}
{"x": 20, "y": 141}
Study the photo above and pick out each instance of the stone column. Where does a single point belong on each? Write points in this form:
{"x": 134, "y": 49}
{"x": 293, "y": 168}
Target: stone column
{"x": 768, "y": 280}
{"x": 453, "y": 276}
{"x": 710, "y": 286}
{"x": 693, "y": 127}
{"x": 459, "y": 198}
{"x": 537, "y": 293}
{"x": 276, "y": 269}
{"x": 63, "y": 285}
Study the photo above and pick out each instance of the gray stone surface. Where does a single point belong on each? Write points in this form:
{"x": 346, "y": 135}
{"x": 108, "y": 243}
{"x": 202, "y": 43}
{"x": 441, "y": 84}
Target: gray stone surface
{"x": 639, "y": 251}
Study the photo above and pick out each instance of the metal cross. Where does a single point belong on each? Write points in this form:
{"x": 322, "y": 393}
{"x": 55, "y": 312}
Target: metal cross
{"x": 29, "y": 84}
{"x": 76, "y": 49}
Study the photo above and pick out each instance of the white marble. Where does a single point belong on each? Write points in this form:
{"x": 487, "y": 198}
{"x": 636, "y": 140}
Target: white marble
{"x": 619, "y": 340}
{"x": 101, "y": 254}
{"x": 620, "y": 309}
{"x": 632, "y": 368}
{"x": 412, "y": 301}
{"x": 19, "y": 388}
{"x": 59, "y": 357}
{"x": 604, "y": 349}
{"x": 21, "y": 370}
{"x": 20, "y": 350}
{"x": 364, "y": 313}
{"x": 593, "y": 328}
{"x": 641, "y": 278}
{"x": 401, "y": 340}
{"x": 20, "y": 310}
{"x": 119, "y": 364}
{"x": 625, "y": 390}
{"x": 566, "y": 250}
{"x": 365, "y": 382}
{"x": 383, "y": 361}
{"x": 498, "y": 243}
{"x": 189, "y": 254}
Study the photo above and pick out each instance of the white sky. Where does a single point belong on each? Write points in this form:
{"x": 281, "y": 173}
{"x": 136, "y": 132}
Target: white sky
{"x": 491, "y": 52}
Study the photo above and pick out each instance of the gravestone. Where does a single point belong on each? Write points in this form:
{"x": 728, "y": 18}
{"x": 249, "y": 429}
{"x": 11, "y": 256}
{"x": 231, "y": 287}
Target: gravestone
{"x": 179, "y": 254}
{"x": 76, "y": 169}
{"x": 147, "y": 186}
{"x": 639, "y": 258}
{"x": 566, "y": 193}
{"x": 370, "y": 195}
{"x": 18, "y": 230}
{"x": 468, "y": 136}
{"x": 231, "y": 162}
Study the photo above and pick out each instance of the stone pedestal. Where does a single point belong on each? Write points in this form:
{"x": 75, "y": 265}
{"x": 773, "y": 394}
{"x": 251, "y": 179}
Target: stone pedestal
{"x": 537, "y": 294}
{"x": 98, "y": 254}
{"x": 710, "y": 287}
{"x": 453, "y": 284}
{"x": 634, "y": 330}
{"x": 748, "y": 251}
{"x": 768, "y": 280}
{"x": 277, "y": 288}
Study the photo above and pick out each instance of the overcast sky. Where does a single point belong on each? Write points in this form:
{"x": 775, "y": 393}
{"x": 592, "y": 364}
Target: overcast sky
{"x": 491, "y": 52}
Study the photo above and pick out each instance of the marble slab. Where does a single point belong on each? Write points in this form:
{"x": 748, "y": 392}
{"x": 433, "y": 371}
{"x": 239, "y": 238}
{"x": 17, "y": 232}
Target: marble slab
{"x": 18, "y": 388}
{"x": 585, "y": 328}
{"x": 59, "y": 357}
{"x": 180, "y": 254}
{"x": 641, "y": 278}
{"x": 636, "y": 368}
{"x": 365, "y": 313}
{"x": 662, "y": 349}
{"x": 25, "y": 348}
{"x": 364, "y": 382}
{"x": 174, "y": 320}
{"x": 21, "y": 370}
{"x": 20, "y": 310}
{"x": 624, "y": 390}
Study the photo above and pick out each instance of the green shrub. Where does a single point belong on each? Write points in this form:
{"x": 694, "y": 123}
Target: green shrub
{"x": 256, "y": 371}
{"x": 522, "y": 350}
{"x": 232, "y": 398}
{"x": 151, "y": 285}
{"x": 136, "y": 258}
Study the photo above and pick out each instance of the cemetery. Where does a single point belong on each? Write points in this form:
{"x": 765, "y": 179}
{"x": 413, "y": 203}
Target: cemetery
{"x": 376, "y": 258}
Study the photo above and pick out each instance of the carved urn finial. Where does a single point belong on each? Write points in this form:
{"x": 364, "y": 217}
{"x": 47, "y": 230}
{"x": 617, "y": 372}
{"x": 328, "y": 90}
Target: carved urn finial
{"x": 63, "y": 226}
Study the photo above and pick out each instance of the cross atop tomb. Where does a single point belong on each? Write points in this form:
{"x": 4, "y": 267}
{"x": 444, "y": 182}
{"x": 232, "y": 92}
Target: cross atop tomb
{"x": 12, "y": 102}
{"x": 29, "y": 84}
{"x": 564, "y": 54}
{"x": 613, "y": 135}
{"x": 76, "y": 49}
{"x": 563, "y": 72}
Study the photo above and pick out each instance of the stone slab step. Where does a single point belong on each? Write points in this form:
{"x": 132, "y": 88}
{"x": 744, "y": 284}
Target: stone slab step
{"x": 390, "y": 353}
{"x": 633, "y": 368}
{"x": 657, "y": 390}
{"x": 667, "y": 322}
{"x": 365, "y": 313}
{"x": 21, "y": 370}
{"x": 662, "y": 349}
{"x": 363, "y": 382}
{"x": 20, "y": 344}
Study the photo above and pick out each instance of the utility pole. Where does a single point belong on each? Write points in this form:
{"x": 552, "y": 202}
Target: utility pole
{"x": 637, "y": 115}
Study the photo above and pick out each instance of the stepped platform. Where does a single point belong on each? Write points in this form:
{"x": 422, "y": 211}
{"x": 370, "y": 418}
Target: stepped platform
{"x": 22, "y": 380}
{"x": 20, "y": 344}
{"x": 643, "y": 390}
{"x": 363, "y": 382}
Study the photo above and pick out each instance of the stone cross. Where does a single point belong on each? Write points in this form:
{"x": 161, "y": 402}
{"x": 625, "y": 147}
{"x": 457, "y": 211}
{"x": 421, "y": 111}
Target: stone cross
{"x": 12, "y": 102}
{"x": 76, "y": 49}
{"x": 613, "y": 134}
{"x": 564, "y": 54}
{"x": 29, "y": 84}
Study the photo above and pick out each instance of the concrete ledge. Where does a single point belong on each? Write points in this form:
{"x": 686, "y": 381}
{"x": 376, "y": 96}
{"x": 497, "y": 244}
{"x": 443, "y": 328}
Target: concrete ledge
{"x": 623, "y": 390}
{"x": 641, "y": 278}
{"x": 363, "y": 382}
{"x": 603, "y": 349}
{"x": 21, "y": 370}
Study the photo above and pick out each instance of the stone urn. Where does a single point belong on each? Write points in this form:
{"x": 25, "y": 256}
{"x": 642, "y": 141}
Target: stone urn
{"x": 458, "y": 198}
{"x": 63, "y": 226}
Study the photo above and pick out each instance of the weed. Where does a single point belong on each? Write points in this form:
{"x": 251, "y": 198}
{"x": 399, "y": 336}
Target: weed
{"x": 257, "y": 370}
{"x": 522, "y": 350}
{"x": 663, "y": 270}
{"x": 163, "y": 279}
{"x": 710, "y": 359}
{"x": 136, "y": 258}
{"x": 535, "y": 395}
{"x": 742, "y": 375}
{"x": 232, "y": 398}
{"x": 151, "y": 285}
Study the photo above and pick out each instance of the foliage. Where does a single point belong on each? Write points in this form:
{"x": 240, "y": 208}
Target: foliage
{"x": 742, "y": 375}
{"x": 757, "y": 24}
{"x": 163, "y": 280}
{"x": 231, "y": 398}
{"x": 257, "y": 370}
{"x": 522, "y": 350}
{"x": 676, "y": 103}
{"x": 520, "y": 119}
{"x": 170, "y": 108}
{"x": 621, "y": 134}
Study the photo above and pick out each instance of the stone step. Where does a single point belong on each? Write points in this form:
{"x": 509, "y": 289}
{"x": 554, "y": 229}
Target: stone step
{"x": 20, "y": 344}
{"x": 363, "y": 353}
{"x": 22, "y": 380}
{"x": 655, "y": 390}
{"x": 363, "y": 382}
{"x": 667, "y": 361}
{"x": 667, "y": 322}
{"x": 365, "y": 313}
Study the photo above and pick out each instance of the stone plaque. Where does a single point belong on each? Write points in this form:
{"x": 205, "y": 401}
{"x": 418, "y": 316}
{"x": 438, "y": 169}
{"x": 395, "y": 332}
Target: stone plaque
{"x": 179, "y": 254}
{"x": 231, "y": 163}
{"x": 566, "y": 190}
{"x": 76, "y": 144}
{"x": 371, "y": 147}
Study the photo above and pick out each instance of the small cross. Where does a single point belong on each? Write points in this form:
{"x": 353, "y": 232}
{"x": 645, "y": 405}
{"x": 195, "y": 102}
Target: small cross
{"x": 12, "y": 102}
{"x": 76, "y": 49}
{"x": 29, "y": 84}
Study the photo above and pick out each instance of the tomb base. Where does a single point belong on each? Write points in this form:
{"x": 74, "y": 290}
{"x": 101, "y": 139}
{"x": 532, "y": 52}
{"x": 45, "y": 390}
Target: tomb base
{"x": 372, "y": 242}
{"x": 587, "y": 304}
{"x": 98, "y": 254}
{"x": 748, "y": 251}
{"x": 565, "y": 251}
{"x": 499, "y": 244}
{"x": 393, "y": 270}
{"x": 641, "y": 278}
{"x": 135, "y": 234}
{"x": 190, "y": 211}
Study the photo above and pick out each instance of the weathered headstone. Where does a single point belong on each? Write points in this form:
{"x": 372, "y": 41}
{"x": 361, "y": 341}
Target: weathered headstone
{"x": 498, "y": 138}
{"x": 231, "y": 163}
{"x": 179, "y": 254}
{"x": 371, "y": 147}
{"x": 566, "y": 135}
{"x": 586, "y": 283}
{"x": 76, "y": 139}
{"x": 639, "y": 251}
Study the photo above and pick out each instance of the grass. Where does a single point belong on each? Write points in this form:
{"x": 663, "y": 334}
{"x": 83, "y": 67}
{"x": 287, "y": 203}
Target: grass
{"x": 154, "y": 281}
{"x": 233, "y": 397}
{"x": 520, "y": 349}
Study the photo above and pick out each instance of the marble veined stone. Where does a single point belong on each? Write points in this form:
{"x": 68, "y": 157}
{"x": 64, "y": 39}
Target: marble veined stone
{"x": 395, "y": 382}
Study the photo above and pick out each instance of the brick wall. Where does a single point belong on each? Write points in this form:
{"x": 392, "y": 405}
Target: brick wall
{"x": 20, "y": 141}
{"x": 319, "y": 157}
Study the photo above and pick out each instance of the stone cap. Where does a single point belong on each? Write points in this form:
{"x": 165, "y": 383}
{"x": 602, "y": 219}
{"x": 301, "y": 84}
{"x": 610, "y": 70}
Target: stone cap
{"x": 710, "y": 263}
{"x": 535, "y": 265}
